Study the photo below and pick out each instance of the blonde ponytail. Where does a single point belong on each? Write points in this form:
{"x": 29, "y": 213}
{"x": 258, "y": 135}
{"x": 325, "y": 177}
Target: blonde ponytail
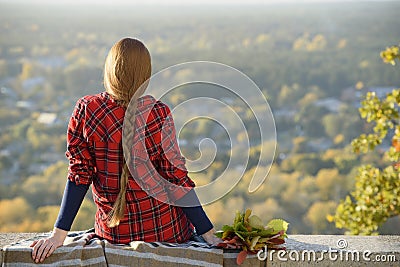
{"x": 118, "y": 210}
{"x": 126, "y": 74}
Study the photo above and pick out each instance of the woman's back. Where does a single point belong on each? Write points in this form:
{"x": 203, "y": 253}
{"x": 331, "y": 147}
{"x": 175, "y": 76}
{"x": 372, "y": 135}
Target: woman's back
{"x": 95, "y": 139}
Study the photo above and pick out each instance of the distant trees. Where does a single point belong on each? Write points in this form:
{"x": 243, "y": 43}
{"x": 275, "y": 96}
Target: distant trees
{"x": 37, "y": 204}
{"x": 316, "y": 216}
{"x": 345, "y": 123}
{"x": 305, "y": 42}
{"x": 3, "y": 68}
{"x": 46, "y": 188}
{"x": 309, "y": 118}
{"x": 27, "y": 71}
{"x": 13, "y": 212}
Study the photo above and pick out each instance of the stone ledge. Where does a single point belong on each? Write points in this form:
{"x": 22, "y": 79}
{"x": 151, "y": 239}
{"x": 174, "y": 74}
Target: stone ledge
{"x": 11, "y": 238}
{"x": 314, "y": 249}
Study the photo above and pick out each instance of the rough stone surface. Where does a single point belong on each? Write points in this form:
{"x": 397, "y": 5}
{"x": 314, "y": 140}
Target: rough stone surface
{"x": 375, "y": 246}
{"x": 385, "y": 243}
{"x": 339, "y": 250}
{"x": 11, "y": 238}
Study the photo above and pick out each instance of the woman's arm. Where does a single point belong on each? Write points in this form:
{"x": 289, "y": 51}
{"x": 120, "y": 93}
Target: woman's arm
{"x": 72, "y": 200}
{"x": 80, "y": 175}
{"x": 70, "y": 204}
{"x": 195, "y": 212}
{"x": 198, "y": 218}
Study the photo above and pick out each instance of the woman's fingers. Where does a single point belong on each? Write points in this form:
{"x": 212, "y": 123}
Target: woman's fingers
{"x": 214, "y": 241}
{"x": 46, "y": 250}
{"x": 51, "y": 250}
{"x": 42, "y": 249}
{"x": 33, "y": 243}
{"x": 217, "y": 241}
{"x": 210, "y": 237}
{"x": 36, "y": 248}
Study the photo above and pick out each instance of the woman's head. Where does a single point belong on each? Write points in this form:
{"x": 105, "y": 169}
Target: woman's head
{"x": 127, "y": 67}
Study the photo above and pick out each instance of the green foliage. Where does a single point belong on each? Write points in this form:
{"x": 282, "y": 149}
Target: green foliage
{"x": 384, "y": 114}
{"x": 391, "y": 54}
{"x": 376, "y": 196}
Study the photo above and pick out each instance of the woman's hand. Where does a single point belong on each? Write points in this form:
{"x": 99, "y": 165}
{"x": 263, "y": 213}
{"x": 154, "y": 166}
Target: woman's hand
{"x": 44, "y": 247}
{"x": 211, "y": 238}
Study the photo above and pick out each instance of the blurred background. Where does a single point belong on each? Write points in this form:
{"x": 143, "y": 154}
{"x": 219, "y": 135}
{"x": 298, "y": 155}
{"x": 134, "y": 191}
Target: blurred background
{"x": 313, "y": 61}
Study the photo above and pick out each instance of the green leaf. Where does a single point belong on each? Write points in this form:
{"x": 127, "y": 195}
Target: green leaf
{"x": 278, "y": 225}
{"x": 240, "y": 227}
{"x": 247, "y": 215}
{"x": 227, "y": 228}
{"x": 219, "y": 234}
{"x": 256, "y": 222}
{"x": 227, "y": 234}
{"x": 254, "y": 241}
{"x": 238, "y": 218}
{"x": 246, "y": 234}
{"x": 267, "y": 232}
{"x": 240, "y": 236}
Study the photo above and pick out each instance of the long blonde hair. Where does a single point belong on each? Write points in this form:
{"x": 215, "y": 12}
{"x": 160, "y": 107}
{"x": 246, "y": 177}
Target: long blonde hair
{"x": 126, "y": 73}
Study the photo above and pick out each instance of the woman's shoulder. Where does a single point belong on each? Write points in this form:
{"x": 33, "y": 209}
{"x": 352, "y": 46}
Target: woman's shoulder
{"x": 100, "y": 97}
{"x": 92, "y": 101}
{"x": 149, "y": 103}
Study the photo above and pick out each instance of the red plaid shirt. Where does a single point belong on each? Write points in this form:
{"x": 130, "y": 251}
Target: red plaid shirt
{"x": 95, "y": 157}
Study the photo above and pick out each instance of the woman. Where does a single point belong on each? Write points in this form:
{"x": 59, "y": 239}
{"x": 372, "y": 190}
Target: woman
{"x": 125, "y": 212}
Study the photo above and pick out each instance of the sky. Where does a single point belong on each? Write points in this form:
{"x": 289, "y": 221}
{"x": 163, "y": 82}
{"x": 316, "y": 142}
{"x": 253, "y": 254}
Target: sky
{"x": 178, "y": 2}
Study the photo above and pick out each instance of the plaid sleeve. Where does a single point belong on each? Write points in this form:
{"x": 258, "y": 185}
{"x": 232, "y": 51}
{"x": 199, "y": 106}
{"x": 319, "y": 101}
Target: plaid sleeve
{"x": 171, "y": 164}
{"x": 81, "y": 163}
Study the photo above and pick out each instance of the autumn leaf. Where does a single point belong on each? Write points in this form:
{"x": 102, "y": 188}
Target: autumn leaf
{"x": 241, "y": 257}
{"x": 250, "y": 234}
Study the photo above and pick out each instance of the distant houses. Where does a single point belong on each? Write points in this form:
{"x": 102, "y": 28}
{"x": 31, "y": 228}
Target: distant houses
{"x": 22, "y": 104}
{"x": 8, "y": 97}
{"x": 330, "y": 103}
{"x": 29, "y": 84}
{"x": 351, "y": 94}
{"x": 47, "y": 118}
{"x": 380, "y": 92}
{"x": 8, "y": 93}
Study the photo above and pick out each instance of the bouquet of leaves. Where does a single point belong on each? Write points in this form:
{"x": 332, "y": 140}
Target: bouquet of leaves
{"x": 249, "y": 234}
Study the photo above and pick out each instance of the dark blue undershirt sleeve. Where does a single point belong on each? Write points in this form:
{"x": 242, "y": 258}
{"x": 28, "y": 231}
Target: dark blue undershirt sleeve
{"x": 70, "y": 204}
{"x": 196, "y": 214}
